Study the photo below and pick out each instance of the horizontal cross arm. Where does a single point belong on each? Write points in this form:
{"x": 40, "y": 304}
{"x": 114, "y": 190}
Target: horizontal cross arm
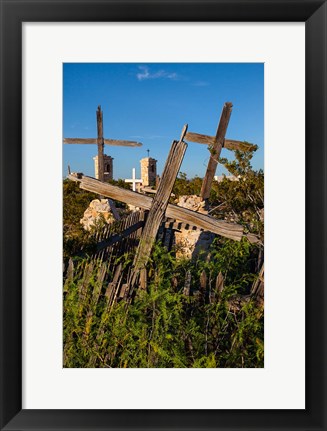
{"x": 228, "y": 230}
{"x": 80, "y": 141}
{"x": 199, "y": 138}
{"x": 121, "y": 143}
{"x": 112, "y": 142}
{"x": 230, "y": 144}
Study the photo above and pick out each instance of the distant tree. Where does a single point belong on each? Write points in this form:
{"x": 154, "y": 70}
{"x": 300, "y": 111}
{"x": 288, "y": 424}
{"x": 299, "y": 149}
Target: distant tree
{"x": 241, "y": 200}
{"x": 184, "y": 186}
{"x": 75, "y": 202}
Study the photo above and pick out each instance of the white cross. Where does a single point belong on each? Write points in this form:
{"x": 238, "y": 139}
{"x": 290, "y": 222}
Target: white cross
{"x": 133, "y": 180}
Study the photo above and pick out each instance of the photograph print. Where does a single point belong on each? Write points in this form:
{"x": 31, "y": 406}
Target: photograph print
{"x": 163, "y": 215}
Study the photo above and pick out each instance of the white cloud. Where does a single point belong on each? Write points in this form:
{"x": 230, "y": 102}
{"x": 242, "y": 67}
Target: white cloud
{"x": 146, "y": 74}
{"x": 200, "y": 83}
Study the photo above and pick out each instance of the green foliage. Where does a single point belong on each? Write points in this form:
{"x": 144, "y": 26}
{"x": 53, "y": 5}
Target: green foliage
{"x": 184, "y": 186}
{"x": 164, "y": 328}
{"x": 241, "y": 201}
{"x": 75, "y": 202}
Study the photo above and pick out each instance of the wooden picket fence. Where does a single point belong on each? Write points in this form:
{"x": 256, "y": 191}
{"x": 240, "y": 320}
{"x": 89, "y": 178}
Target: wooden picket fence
{"x": 119, "y": 237}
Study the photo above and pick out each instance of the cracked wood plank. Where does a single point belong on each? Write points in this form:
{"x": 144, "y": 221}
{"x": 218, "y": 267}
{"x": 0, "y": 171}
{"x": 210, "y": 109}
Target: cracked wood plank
{"x": 159, "y": 205}
{"x": 202, "y": 221}
{"x": 215, "y": 150}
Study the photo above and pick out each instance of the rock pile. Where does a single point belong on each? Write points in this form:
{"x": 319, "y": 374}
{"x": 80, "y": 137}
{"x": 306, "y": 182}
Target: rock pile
{"x": 189, "y": 243}
{"x": 192, "y": 202}
{"x": 98, "y": 210}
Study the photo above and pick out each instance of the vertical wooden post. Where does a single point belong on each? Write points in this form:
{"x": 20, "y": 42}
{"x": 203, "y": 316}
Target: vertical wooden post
{"x": 158, "y": 207}
{"x": 215, "y": 150}
{"x": 100, "y": 144}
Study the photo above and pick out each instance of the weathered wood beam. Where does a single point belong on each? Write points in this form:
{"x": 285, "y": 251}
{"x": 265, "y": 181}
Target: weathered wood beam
{"x": 215, "y": 150}
{"x": 220, "y": 227}
{"x": 199, "y": 138}
{"x": 112, "y": 142}
{"x": 100, "y": 144}
{"x": 122, "y": 143}
{"x": 80, "y": 141}
{"x": 257, "y": 290}
{"x": 159, "y": 205}
{"x": 202, "y": 221}
{"x": 230, "y": 144}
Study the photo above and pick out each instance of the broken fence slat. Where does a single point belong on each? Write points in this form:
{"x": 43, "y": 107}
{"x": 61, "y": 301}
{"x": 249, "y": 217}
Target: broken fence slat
{"x": 203, "y": 280}
{"x": 187, "y": 285}
{"x": 258, "y": 285}
{"x": 219, "y": 283}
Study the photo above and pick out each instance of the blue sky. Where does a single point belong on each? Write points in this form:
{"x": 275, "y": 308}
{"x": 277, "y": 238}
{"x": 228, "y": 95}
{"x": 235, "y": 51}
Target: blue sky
{"x": 150, "y": 103}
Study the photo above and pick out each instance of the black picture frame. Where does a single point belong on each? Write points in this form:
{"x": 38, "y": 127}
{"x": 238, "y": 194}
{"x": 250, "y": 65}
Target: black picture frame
{"x": 13, "y": 14}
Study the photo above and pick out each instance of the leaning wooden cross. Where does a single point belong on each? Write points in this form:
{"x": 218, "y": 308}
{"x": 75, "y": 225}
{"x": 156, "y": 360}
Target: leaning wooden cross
{"x": 216, "y": 143}
{"x": 100, "y": 142}
{"x": 159, "y": 207}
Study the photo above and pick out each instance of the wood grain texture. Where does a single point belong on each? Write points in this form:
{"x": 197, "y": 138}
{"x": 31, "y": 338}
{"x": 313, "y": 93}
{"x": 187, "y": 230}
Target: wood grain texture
{"x": 112, "y": 142}
{"x": 159, "y": 205}
{"x": 215, "y": 150}
{"x": 233, "y": 145}
{"x": 80, "y": 141}
{"x": 220, "y": 227}
{"x": 119, "y": 236}
{"x": 199, "y": 138}
{"x": 122, "y": 143}
{"x": 100, "y": 144}
{"x": 230, "y": 144}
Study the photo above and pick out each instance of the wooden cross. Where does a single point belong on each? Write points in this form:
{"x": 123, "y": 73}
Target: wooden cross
{"x": 159, "y": 207}
{"x": 192, "y": 218}
{"x": 133, "y": 180}
{"x": 216, "y": 143}
{"x": 100, "y": 142}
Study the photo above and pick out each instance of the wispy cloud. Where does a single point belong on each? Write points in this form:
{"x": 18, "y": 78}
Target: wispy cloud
{"x": 145, "y": 73}
{"x": 200, "y": 83}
